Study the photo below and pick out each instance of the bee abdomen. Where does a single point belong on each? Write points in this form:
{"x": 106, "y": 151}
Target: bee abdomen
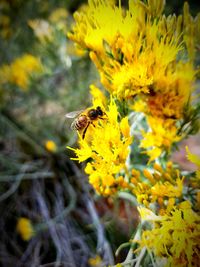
{"x": 80, "y": 123}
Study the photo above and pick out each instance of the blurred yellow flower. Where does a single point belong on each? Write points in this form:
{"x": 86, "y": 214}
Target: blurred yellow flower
{"x": 194, "y": 159}
{"x": 139, "y": 105}
{"x": 58, "y": 14}
{"x": 51, "y": 146}
{"x": 95, "y": 262}
{"x": 194, "y": 182}
{"x": 25, "y": 228}
{"x": 20, "y": 71}
{"x": 107, "y": 145}
{"x": 58, "y": 19}
{"x": 5, "y": 28}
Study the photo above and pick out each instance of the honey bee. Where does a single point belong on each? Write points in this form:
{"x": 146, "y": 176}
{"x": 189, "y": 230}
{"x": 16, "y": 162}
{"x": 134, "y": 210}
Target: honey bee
{"x": 84, "y": 118}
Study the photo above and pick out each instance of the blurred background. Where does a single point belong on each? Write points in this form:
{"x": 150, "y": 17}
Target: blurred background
{"x": 50, "y": 215}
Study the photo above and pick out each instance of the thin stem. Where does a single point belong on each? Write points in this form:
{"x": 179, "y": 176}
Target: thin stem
{"x": 64, "y": 213}
{"x": 152, "y": 259}
{"x": 124, "y": 245}
{"x": 14, "y": 186}
{"x": 27, "y": 176}
{"x": 140, "y": 257}
{"x": 22, "y": 134}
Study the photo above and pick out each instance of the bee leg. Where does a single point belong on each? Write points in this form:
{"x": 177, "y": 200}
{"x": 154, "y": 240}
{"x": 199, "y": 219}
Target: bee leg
{"x": 103, "y": 119}
{"x": 104, "y": 114}
{"x": 92, "y": 124}
{"x": 84, "y": 132}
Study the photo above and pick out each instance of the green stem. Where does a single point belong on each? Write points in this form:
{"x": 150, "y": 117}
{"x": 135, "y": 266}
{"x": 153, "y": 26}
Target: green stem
{"x": 21, "y": 133}
{"x": 124, "y": 245}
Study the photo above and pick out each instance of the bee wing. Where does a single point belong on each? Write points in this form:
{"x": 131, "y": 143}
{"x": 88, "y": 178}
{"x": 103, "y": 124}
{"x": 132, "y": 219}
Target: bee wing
{"x": 73, "y": 125}
{"x": 73, "y": 114}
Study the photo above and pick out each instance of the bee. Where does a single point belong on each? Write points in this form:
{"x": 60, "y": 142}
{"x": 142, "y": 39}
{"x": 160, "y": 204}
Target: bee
{"x": 83, "y": 119}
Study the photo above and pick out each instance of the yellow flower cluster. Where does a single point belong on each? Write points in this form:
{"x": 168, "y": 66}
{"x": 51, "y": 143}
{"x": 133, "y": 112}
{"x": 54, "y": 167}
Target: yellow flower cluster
{"x": 146, "y": 62}
{"x": 25, "y": 228}
{"x": 142, "y": 53}
{"x": 135, "y": 52}
{"x": 162, "y": 186}
{"x": 129, "y": 50}
{"x": 20, "y": 71}
{"x": 175, "y": 236}
{"x": 160, "y": 137}
{"x": 106, "y": 145}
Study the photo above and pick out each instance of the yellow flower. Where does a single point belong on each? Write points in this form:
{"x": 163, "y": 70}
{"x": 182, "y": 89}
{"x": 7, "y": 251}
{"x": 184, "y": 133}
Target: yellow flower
{"x": 139, "y": 105}
{"x": 20, "y": 70}
{"x": 51, "y": 146}
{"x": 176, "y": 237}
{"x": 75, "y": 50}
{"x": 137, "y": 51}
{"x": 129, "y": 80}
{"x": 95, "y": 262}
{"x": 58, "y": 19}
{"x": 194, "y": 159}
{"x": 165, "y": 110}
{"x": 58, "y": 14}
{"x": 97, "y": 96}
{"x": 194, "y": 182}
{"x": 148, "y": 215}
{"x": 161, "y": 186}
{"x": 25, "y": 228}
{"x": 5, "y": 29}
{"x": 107, "y": 147}
{"x": 95, "y": 23}
{"x": 164, "y": 105}
{"x": 162, "y": 134}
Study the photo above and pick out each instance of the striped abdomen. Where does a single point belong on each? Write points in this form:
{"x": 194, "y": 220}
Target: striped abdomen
{"x": 80, "y": 123}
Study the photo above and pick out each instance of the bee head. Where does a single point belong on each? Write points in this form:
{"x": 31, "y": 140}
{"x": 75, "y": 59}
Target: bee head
{"x": 99, "y": 111}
